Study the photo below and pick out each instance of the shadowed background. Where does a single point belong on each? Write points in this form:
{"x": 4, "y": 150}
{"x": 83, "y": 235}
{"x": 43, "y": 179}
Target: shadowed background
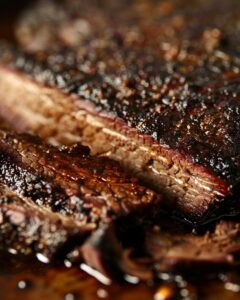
{"x": 9, "y": 9}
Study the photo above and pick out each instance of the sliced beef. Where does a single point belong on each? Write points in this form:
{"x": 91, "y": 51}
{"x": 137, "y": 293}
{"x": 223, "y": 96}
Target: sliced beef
{"x": 70, "y": 181}
{"x": 27, "y": 228}
{"x": 67, "y": 204}
{"x": 136, "y": 79}
{"x": 54, "y": 202}
{"x": 173, "y": 247}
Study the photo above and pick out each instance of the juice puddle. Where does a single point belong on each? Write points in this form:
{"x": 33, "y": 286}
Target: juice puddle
{"x": 28, "y": 279}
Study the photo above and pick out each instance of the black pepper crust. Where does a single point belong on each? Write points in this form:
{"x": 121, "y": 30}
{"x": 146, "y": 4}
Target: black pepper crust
{"x": 153, "y": 65}
{"x": 26, "y": 228}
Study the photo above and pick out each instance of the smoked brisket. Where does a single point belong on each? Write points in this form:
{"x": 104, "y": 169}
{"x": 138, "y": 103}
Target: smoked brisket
{"x": 27, "y": 228}
{"x": 141, "y": 84}
{"x": 53, "y": 202}
{"x": 70, "y": 181}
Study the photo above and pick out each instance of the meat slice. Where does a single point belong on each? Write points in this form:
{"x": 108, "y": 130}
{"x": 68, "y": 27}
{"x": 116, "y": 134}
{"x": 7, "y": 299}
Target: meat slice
{"x": 70, "y": 181}
{"x": 173, "y": 247}
{"x": 193, "y": 185}
{"x": 27, "y": 228}
{"x": 137, "y": 81}
{"x": 53, "y": 200}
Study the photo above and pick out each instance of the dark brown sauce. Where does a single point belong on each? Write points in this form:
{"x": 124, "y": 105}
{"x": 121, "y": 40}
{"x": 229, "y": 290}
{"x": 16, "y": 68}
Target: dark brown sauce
{"x": 25, "y": 278}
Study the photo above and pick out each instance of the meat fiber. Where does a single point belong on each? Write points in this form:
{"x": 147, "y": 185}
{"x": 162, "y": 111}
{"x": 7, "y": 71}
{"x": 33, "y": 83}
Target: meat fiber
{"x": 70, "y": 181}
{"x": 27, "y": 228}
{"x": 65, "y": 203}
{"x": 139, "y": 79}
{"x": 53, "y": 202}
{"x": 172, "y": 247}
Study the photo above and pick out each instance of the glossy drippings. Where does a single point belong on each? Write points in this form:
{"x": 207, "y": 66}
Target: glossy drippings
{"x": 56, "y": 283}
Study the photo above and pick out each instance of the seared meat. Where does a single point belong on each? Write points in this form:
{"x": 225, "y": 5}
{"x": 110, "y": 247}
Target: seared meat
{"x": 26, "y": 228}
{"x": 66, "y": 203}
{"x": 136, "y": 78}
{"x": 52, "y": 201}
{"x": 173, "y": 247}
{"x": 29, "y": 229}
{"x": 70, "y": 181}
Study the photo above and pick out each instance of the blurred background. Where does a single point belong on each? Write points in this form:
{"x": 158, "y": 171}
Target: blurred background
{"x": 12, "y": 5}
{"x": 9, "y": 9}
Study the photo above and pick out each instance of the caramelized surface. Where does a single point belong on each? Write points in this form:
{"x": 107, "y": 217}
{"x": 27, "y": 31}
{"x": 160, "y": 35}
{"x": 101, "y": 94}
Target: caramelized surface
{"x": 169, "y": 70}
{"x": 163, "y": 76}
{"x": 59, "y": 283}
{"x": 70, "y": 180}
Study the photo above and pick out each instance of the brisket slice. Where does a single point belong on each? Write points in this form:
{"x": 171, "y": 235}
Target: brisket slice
{"x": 29, "y": 229}
{"x": 26, "y": 228}
{"x": 37, "y": 214}
{"x": 70, "y": 181}
{"x": 193, "y": 186}
{"x": 142, "y": 81}
{"x": 154, "y": 88}
{"x": 53, "y": 200}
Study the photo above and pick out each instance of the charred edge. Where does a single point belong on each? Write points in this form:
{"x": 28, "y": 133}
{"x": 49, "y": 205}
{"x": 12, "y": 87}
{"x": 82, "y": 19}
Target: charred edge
{"x": 26, "y": 229}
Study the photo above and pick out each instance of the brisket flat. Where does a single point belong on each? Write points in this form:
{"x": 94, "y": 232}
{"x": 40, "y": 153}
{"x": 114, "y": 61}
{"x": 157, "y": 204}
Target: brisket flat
{"x": 160, "y": 83}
